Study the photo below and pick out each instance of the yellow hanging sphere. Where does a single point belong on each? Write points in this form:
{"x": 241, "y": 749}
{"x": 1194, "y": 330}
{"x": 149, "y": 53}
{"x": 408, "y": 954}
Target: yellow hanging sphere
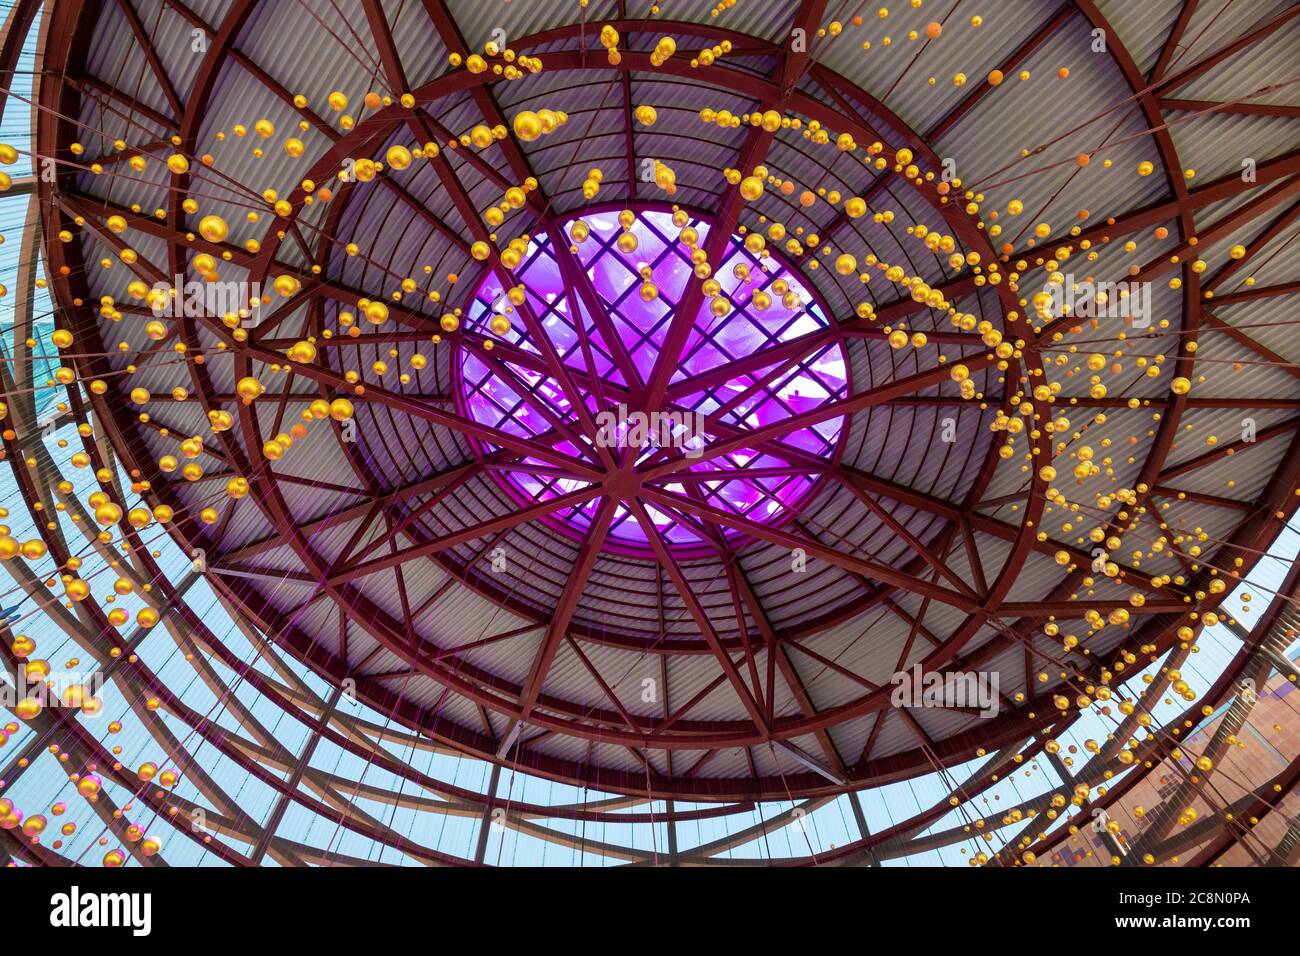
{"x": 213, "y": 228}
{"x": 527, "y": 125}
{"x": 399, "y": 157}
{"x": 248, "y": 389}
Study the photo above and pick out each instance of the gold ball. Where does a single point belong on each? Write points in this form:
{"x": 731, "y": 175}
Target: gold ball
{"x": 751, "y": 188}
{"x": 213, "y": 228}
{"x": 248, "y": 389}
{"x": 527, "y": 125}
{"x": 398, "y": 157}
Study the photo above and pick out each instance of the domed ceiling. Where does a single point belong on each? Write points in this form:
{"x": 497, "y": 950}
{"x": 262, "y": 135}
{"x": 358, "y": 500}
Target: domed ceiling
{"x": 642, "y": 398}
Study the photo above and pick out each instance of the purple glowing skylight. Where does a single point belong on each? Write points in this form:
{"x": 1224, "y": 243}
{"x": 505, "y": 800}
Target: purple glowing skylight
{"x": 761, "y": 485}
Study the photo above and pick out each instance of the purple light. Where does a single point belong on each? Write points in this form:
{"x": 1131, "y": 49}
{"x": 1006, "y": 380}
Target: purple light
{"x": 755, "y": 483}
